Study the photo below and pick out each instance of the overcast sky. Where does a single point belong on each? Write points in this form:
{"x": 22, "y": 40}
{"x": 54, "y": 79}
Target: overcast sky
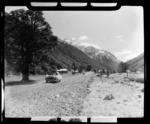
{"x": 120, "y": 32}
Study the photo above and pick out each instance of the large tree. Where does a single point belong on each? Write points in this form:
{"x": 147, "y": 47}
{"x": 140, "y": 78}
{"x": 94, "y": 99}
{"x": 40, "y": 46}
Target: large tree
{"x": 122, "y": 67}
{"x": 27, "y": 38}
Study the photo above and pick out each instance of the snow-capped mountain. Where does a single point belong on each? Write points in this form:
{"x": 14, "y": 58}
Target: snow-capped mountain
{"x": 101, "y": 56}
{"x": 98, "y": 54}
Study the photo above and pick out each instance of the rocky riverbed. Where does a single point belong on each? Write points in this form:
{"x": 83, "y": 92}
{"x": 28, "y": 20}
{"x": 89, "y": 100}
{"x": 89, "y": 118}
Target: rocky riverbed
{"x": 115, "y": 96}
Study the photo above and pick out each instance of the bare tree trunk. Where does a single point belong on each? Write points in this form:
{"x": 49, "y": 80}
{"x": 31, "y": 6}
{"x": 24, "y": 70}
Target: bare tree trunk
{"x": 25, "y": 77}
{"x": 25, "y": 61}
{"x": 25, "y": 68}
{"x": 25, "y": 72}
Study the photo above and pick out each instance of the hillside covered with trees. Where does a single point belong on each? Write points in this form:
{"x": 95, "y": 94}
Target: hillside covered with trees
{"x": 137, "y": 63}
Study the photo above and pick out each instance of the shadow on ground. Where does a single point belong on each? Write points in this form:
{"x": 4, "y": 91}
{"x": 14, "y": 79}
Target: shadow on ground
{"x": 13, "y": 83}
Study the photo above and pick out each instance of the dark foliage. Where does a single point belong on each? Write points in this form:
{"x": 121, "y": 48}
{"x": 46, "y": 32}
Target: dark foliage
{"x": 75, "y": 120}
{"x": 82, "y": 68}
{"x": 27, "y": 37}
{"x": 89, "y": 68}
{"x": 123, "y": 67}
{"x": 137, "y": 63}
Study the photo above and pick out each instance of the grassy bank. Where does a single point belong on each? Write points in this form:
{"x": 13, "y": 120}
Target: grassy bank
{"x": 137, "y": 77}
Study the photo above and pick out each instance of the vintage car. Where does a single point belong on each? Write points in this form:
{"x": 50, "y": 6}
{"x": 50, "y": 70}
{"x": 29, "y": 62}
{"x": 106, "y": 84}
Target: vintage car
{"x": 53, "y": 78}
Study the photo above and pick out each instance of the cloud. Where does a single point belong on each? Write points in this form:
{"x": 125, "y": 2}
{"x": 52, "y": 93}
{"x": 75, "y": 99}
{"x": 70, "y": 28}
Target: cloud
{"x": 73, "y": 38}
{"x": 123, "y": 52}
{"x": 83, "y": 38}
{"x": 130, "y": 56}
{"x": 89, "y": 44}
{"x": 120, "y": 38}
{"x": 126, "y": 55}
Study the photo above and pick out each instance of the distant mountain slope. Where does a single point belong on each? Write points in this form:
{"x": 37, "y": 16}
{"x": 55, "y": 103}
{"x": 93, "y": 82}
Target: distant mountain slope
{"x": 101, "y": 56}
{"x": 65, "y": 54}
{"x": 106, "y": 58}
{"x": 136, "y": 63}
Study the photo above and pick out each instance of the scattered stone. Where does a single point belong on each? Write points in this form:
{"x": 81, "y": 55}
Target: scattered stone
{"x": 100, "y": 97}
{"x": 57, "y": 96}
{"x": 142, "y": 90}
{"x": 139, "y": 96}
{"x": 118, "y": 102}
{"x": 109, "y": 97}
{"x": 116, "y": 81}
{"x": 126, "y": 79}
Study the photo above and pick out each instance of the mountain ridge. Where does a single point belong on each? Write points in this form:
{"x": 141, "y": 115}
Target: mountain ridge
{"x": 98, "y": 54}
{"x": 137, "y": 63}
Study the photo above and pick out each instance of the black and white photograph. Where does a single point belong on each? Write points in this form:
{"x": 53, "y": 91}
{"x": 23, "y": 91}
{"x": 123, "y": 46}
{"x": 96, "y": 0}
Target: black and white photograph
{"x": 79, "y": 64}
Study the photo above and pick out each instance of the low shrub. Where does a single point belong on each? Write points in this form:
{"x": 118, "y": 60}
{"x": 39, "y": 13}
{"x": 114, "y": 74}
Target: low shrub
{"x": 53, "y": 119}
{"x": 142, "y": 90}
{"x": 75, "y": 120}
{"x": 140, "y": 80}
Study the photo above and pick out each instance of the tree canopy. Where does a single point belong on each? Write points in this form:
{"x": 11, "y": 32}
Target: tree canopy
{"x": 122, "y": 67}
{"x": 27, "y": 37}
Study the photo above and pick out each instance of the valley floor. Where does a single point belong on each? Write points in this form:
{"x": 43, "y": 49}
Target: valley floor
{"x": 76, "y": 95}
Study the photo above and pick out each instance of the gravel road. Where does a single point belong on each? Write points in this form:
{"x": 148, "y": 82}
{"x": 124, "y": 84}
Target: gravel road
{"x": 47, "y": 99}
{"x": 76, "y": 95}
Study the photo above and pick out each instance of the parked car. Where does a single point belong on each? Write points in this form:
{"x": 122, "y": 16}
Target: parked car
{"x": 53, "y": 78}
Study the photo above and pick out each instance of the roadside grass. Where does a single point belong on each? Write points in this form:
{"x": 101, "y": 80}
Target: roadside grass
{"x": 12, "y": 80}
{"x": 139, "y": 80}
{"x": 19, "y": 77}
{"x": 31, "y": 77}
{"x": 136, "y": 77}
{"x": 75, "y": 120}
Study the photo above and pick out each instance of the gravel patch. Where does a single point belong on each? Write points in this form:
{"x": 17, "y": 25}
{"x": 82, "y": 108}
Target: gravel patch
{"x": 114, "y": 96}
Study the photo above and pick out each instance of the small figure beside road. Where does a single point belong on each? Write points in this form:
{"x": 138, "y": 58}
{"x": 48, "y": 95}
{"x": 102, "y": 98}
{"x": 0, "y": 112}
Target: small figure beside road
{"x": 83, "y": 73}
{"x": 108, "y": 72}
{"x": 100, "y": 74}
{"x": 127, "y": 72}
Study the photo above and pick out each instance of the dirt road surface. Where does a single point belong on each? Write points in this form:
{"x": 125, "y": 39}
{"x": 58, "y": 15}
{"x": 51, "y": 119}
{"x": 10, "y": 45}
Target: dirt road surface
{"x": 76, "y": 95}
{"x": 114, "y": 97}
{"x": 47, "y": 99}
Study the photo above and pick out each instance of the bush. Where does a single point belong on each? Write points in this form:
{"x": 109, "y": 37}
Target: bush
{"x": 75, "y": 120}
{"x": 81, "y": 68}
{"x": 38, "y": 70}
{"x": 89, "y": 68}
{"x": 53, "y": 68}
{"x": 53, "y": 119}
{"x": 140, "y": 80}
